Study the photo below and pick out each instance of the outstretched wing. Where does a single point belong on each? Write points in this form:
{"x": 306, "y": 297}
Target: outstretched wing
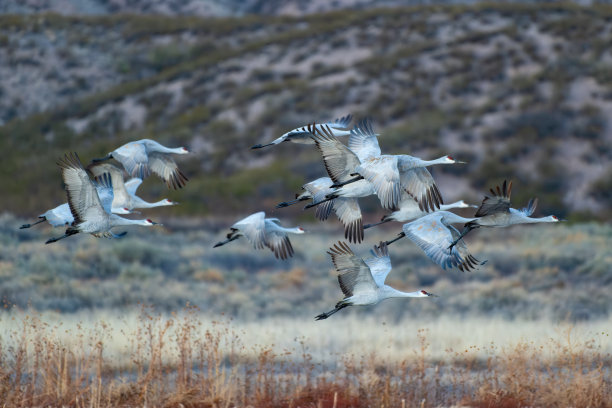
{"x": 363, "y": 141}
{"x": 339, "y": 161}
{"x": 382, "y": 172}
{"x": 379, "y": 263}
{"x": 340, "y": 123}
{"x": 531, "y": 206}
{"x": 121, "y": 197}
{"x": 167, "y": 169}
{"x": 253, "y": 228}
{"x": 419, "y": 183}
{"x": 355, "y": 275}
{"x": 132, "y": 185}
{"x": 83, "y": 198}
{"x": 279, "y": 243}
{"x": 133, "y": 157}
{"x": 318, "y": 189}
{"x": 434, "y": 238}
{"x": 500, "y": 202}
{"x": 349, "y": 213}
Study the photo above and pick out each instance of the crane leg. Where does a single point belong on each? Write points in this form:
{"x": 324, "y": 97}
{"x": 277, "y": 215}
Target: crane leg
{"x": 465, "y": 231}
{"x": 399, "y": 236}
{"x": 108, "y": 157}
{"x": 376, "y": 223}
{"x": 327, "y": 198}
{"x": 230, "y": 239}
{"x": 288, "y": 203}
{"x": 349, "y": 181}
{"x": 339, "y": 306}
{"x": 42, "y": 219}
{"x": 259, "y": 146}
{"x": 68, "y": 233}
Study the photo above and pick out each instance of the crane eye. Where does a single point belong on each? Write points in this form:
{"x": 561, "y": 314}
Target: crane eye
{"x": 450, "y": 157}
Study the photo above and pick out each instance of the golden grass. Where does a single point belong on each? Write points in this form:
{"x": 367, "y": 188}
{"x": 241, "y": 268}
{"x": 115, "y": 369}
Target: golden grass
{"x": 184, "y": 359}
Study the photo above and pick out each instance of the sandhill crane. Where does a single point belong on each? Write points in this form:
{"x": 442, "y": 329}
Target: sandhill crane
{"x": 409, "y": 210}
{"x": 261, "y": 231}
{"x": 340, "y": 162}
{"x": 389, "y": 174}
{"x": 124, "y": 192}
{"x": 141, "y": 157}
{"x": 433, "y": 233}
{"x": 85, "y": 205}
{"x": 61, "y": 215}
{"x": 302, "y": 134}
{"x": 363, "y": 280}
{"x": 347, "y": 209}
{"x": 496, "y": 212}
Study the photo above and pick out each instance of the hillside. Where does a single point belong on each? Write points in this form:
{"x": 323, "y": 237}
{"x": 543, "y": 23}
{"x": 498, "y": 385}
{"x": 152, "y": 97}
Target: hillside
{"x": 519, "y": 91}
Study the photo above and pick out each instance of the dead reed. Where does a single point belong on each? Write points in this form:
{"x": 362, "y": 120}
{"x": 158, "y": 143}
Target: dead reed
{"x": 178, "y": 361}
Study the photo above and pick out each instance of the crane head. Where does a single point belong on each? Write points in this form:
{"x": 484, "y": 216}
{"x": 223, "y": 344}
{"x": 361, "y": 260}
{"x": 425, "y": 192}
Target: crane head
{"x": 427, "y": 294}
{"x": 451, "y": 159}
{"x": 167, "y": 201}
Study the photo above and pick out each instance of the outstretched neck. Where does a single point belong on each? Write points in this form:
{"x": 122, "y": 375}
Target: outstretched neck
{"x": 533, "y": 220}
{"x": 116, "y": 220}
{"x": 140, "y": 203}
{"x": 394, "y": 293}
{"x": 440, "y": 160}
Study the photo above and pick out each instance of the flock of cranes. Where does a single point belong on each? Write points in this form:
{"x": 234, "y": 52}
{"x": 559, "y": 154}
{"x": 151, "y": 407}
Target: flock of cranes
{"x": 98, "y": 194}
{"x": 403, "y": 186}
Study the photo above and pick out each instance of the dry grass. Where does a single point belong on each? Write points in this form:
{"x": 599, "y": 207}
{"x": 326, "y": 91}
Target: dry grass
{"x": 186, "y": 360}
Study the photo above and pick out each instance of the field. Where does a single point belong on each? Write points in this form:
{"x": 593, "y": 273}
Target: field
{"x": 186, "y": 324}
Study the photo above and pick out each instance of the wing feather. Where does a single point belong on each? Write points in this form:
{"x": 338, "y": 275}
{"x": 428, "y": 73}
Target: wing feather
{"x": 339, "y": 161}
{"x": 363, "y": 141}
{"x": 498, "y": 203}
{"x": 167, "y": 169}
{"x": 355, "y": 275}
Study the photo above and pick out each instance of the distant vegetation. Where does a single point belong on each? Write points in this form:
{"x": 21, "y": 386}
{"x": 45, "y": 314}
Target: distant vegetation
{"x": 519, "y": 91}
{"x": 533, "y": 272}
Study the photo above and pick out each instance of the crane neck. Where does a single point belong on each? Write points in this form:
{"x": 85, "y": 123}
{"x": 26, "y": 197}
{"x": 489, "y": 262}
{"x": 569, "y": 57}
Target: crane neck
{"x": 116, "y": 220}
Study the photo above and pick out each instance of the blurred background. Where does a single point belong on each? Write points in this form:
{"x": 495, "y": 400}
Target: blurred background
{"x": 521, "y": 91}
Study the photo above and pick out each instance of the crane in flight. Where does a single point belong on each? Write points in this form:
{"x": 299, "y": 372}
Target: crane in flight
{"x": 263, "y": 232}
{"x": 346, "y": 208}
{"x": 362, "y": 281}
{"x": 61, "y": 216}
{"x": 301, "y": 135}
{"x": 124, "y": 192}
{"x": 143, "y": 157}
{"x": 88, "y": 212}
{"x": 495, "y": 211}
{"x": 433, "y": 233}
{"x": 409, "y": 210}
{"x": 390, "y": 174}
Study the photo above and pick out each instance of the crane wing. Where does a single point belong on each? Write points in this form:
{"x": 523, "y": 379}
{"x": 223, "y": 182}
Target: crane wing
{"x": 340, "y": 123}
{"x": 167, "y": 169}
{"x": 253, "y": 228}
{"x": 469, "y": 262}
{"x": 434, "y": 238}
{"x": 349, "y": 213}
{"x": 279, "y": 243}
{"x": 339, "y": 161}
{"x": 83, "y": 198}
{"x": 59, "y": 216}
{"x": 132, "y": 185}
{"x": 363, "y": 141}
{"x": 531, "y": 206}
{"x": 382, "y": 172}
{"x": 379, "y": 263}
{"x": 355, "y": 275}
{"x": 500, "y": 202}
{"x": 419, "y": 183}
{"x": 319, "y": 188}
{"x": 121, "y": 198}
{"x": 133, "y": 157}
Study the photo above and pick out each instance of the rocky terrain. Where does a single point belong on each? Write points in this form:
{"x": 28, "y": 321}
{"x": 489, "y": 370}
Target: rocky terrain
{"x": 518, "y": 91}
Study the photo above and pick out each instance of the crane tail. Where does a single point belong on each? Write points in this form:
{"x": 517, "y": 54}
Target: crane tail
{"x": 42, "y": 219}
{"x": 338, "y": 307}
